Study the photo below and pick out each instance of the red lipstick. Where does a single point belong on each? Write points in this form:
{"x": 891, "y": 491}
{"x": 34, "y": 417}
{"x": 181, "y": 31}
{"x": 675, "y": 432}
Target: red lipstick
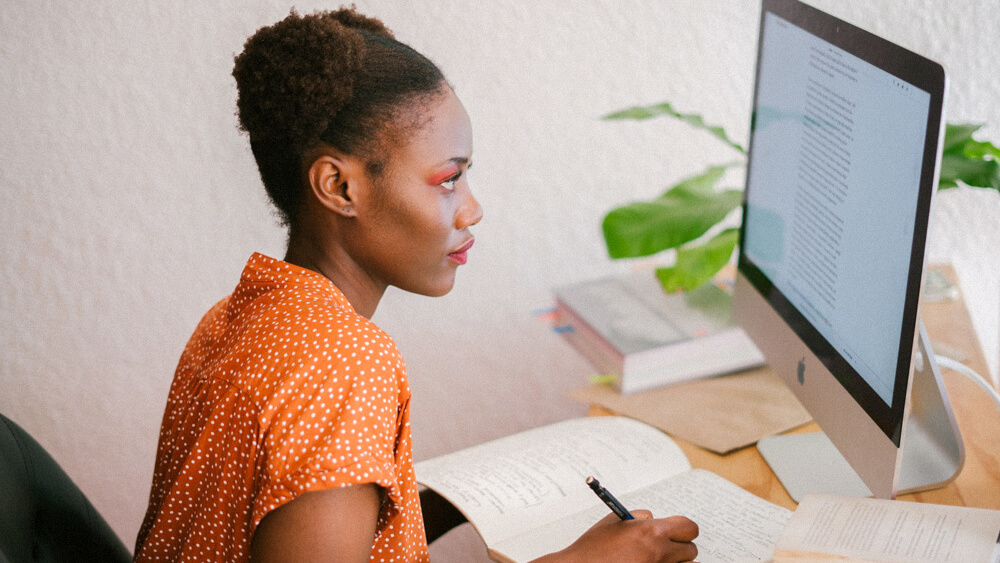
{"x": 461, "y": 256}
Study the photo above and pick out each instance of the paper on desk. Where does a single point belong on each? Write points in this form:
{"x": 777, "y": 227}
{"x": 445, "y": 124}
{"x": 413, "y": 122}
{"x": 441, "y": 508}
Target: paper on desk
{"x": 720, "y": 414}
{"x": 834, "y": 528}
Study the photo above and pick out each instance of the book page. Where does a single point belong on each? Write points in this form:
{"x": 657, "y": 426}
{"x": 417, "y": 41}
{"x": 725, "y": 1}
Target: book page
{"x": 889, "y": 531}
{"x": 522, "y": 482}
{"x": 734, "y": 525}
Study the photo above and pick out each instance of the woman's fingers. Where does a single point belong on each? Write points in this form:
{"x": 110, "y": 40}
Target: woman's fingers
{"x": 642, "y": 514}
{"x": 681, "y": 529}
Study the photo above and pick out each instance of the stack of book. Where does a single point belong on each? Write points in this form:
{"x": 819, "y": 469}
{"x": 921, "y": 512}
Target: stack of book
{"x": 628, "y": 327}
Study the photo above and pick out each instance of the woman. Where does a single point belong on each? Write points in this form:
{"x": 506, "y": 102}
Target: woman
{"x": 286, "y": 432}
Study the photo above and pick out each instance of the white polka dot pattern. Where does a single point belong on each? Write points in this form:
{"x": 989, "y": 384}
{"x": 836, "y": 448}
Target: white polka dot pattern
{"x": 282, "y": 389}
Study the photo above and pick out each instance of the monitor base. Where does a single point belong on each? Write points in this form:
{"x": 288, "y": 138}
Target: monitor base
{"x": 932, "y": 450}
{"x": 810, "y": 463}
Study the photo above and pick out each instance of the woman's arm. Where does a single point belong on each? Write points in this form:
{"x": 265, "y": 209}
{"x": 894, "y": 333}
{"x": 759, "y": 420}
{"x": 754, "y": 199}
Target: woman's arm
{"x": 332, "y": 525}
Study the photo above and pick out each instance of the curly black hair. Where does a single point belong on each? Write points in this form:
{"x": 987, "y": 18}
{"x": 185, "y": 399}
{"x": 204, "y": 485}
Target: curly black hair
{"x": 335, "y": 78}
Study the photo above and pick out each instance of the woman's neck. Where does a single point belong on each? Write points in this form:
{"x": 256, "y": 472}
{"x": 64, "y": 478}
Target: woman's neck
{"x": 334, "y": 263}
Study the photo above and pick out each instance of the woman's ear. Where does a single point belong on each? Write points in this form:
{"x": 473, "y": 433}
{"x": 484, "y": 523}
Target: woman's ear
{"x": 331, "y": 179}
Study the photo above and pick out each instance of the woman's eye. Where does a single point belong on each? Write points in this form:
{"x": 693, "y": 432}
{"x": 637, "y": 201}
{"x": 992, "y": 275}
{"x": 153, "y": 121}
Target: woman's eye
{"x": 449, "y": 184}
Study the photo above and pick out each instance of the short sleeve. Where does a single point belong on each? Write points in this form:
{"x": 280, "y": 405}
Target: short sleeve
{"x": 282, "y": 389}
{"x": 332, "y": 420}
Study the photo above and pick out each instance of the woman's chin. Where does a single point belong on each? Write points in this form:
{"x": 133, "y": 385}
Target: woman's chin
{"x": 440, "y": 290}
{"x": 434, "y": 288}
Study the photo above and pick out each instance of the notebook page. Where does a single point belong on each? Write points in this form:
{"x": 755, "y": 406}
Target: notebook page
{"x": 527, "y": 480}
{"x": 735, "y": 526}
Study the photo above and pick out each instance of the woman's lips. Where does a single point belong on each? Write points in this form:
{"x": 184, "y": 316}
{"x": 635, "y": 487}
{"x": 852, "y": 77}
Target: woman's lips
{"x": 461, "y": 256}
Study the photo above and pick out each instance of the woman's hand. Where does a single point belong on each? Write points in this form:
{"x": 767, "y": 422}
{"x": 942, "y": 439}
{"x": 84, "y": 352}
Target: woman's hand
{"x": 645, "y": 539}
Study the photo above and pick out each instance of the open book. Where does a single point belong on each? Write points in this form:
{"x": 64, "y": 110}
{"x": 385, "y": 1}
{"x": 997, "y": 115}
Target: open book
{"x": 526, "y": 494}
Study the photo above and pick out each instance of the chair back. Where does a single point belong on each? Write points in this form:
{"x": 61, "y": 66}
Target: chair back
{"x": 43, "y": 515}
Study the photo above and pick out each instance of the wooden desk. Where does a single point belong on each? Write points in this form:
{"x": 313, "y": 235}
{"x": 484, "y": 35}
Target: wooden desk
{"x": 978, "y": 484}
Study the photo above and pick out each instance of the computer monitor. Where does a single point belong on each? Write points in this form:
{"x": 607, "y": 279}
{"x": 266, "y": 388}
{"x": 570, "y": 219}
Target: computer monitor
{"x": 843, "y": 163}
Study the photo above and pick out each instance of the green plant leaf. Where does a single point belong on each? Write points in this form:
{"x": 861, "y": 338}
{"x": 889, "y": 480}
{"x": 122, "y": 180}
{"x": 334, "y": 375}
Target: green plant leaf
{"x": 957, "y": 134}
{"x": 703, "y": 183}
{"x": 694, "y": 120}
{"x": 979, "y": 173}
{"x": 682, "y": 214}
{"x": 980, "y": 149}
{"x": 967, "y": 161}
{"x": 698, "y": 264}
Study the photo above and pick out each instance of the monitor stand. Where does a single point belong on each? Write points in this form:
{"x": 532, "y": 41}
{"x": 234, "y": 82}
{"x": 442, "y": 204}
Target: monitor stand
{"x": 932, "y": 456}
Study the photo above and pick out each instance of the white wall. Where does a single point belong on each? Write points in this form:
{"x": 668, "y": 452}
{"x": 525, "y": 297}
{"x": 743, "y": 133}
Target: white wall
{"x": 130, "y": 202}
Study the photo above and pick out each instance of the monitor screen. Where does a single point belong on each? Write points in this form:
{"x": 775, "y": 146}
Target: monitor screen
{"x": 840, "y": 174}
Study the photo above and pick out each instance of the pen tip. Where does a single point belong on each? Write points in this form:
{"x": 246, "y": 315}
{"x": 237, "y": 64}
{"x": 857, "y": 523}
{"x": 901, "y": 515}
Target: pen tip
{"x": 591, "y": 480}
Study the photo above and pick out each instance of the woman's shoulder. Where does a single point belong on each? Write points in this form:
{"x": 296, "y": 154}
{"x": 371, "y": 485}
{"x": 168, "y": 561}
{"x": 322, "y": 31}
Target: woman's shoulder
{"x": 321, "y": 312}
{"x": 288, "y": 349}
{"x": 314, "y": 326}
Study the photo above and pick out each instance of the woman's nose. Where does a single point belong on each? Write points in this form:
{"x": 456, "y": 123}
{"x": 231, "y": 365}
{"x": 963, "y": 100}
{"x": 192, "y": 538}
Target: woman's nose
{"x": 469, "y": 213}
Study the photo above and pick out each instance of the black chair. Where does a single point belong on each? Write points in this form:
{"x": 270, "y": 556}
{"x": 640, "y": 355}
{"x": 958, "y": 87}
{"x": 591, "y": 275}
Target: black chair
{"x": 43, "y": 515}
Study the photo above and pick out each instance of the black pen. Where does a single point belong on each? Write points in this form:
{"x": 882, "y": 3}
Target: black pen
{"x": 609, "y": 500}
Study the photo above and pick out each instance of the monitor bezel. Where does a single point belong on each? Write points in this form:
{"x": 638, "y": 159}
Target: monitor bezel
{"x": 921, "y": 73}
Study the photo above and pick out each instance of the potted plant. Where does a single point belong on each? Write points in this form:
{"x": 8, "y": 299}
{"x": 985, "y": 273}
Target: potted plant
{"x": 688, "y": 216}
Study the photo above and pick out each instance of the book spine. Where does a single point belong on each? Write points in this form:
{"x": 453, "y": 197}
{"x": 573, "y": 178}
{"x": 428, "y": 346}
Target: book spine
{"x": 588, "y": 342}
{"x": 725, "y": 352}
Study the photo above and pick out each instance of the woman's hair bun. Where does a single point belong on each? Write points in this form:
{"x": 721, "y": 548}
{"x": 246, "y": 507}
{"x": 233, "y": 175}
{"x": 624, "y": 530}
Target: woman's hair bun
{"x": 294, "y": 76}
{"x": 336, "y": 79}
{"x": 352, "y": 19}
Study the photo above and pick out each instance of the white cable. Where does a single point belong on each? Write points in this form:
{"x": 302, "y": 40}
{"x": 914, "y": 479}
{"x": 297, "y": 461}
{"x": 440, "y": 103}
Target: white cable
{"x": 968, "y": 372}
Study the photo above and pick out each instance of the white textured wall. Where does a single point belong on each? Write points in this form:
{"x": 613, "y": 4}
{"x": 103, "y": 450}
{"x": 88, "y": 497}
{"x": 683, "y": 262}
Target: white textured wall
{"x": 130, "y": 202}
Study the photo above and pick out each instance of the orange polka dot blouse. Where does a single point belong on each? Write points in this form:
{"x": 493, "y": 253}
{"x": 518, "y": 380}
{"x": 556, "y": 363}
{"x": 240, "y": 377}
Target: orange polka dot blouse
{"x": 282, "y": 389}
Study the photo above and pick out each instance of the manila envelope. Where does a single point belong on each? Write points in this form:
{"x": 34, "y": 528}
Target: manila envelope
{"x": 720, "y": 414}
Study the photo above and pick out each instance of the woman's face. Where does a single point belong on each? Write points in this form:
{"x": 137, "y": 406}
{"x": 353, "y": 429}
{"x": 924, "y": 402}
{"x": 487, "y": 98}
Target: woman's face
{"x": 413, "y": 221}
